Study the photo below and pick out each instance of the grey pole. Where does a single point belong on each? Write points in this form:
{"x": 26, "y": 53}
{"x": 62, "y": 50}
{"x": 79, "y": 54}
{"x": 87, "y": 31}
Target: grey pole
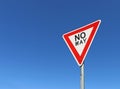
{"x": 82, "y": 85}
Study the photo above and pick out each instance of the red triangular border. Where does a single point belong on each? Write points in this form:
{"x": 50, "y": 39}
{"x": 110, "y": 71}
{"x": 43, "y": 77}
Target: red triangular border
{"x": 80, "y": 58}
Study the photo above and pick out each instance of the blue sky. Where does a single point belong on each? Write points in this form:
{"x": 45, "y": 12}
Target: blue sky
{"x": 33, "y": 54}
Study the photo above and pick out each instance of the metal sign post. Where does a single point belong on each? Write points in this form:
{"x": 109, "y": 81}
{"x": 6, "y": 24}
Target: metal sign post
{"x": 82, "y": 85}
{"x": 79, "y": 42}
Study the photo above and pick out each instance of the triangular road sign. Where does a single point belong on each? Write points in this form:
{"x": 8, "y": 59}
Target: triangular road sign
{"x": 79, "y": 40}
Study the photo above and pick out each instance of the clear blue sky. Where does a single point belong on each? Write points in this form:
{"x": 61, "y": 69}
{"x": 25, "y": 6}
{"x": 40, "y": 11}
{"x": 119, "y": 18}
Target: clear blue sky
{"x": 33, "y": 54}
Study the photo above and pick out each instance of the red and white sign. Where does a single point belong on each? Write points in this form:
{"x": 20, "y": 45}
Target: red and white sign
{"x": 79, "y": 40}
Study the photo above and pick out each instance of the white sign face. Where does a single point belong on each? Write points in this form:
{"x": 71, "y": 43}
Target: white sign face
{"x": 79, "y": 39}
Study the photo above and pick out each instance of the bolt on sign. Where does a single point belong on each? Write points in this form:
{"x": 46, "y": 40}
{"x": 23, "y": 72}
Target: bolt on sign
{"x": 79, "y": 40}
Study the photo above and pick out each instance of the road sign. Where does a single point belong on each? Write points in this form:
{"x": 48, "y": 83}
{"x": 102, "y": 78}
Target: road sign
{"x": 79, "y": 40}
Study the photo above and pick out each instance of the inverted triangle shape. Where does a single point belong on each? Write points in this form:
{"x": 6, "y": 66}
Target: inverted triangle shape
{"x": 79, "y": 52}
